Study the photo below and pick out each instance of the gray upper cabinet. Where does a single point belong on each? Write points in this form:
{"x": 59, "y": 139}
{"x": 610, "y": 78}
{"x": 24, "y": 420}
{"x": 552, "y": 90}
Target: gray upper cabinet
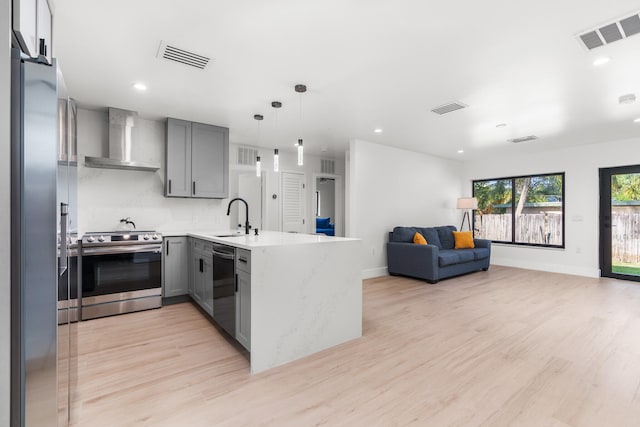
{"x": 178, "y": 161}
{"x": 197, "y": 163}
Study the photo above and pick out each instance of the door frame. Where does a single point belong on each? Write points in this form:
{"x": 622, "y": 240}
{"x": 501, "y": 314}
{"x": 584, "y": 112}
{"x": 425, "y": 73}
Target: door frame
{"x": 338, "y": 202}
{"x": 605, "y": 220}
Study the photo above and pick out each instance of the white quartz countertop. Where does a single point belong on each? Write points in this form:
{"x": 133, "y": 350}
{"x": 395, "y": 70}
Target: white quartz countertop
{"x": 264, "y": 238}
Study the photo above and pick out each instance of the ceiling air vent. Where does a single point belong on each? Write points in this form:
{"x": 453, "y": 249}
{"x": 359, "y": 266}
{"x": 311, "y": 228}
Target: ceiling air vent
{"x": 523, "y": 139}
{"x": 328, "y": 166}
{"x": 449, "y": 107}
{"x": 611, "y": 32}
{"x": 173, "y": 53}
{"x": 247, "y": 156}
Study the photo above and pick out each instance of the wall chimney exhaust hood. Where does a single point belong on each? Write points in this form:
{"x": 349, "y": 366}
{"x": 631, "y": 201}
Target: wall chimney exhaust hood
{"x": 120, "y": 124}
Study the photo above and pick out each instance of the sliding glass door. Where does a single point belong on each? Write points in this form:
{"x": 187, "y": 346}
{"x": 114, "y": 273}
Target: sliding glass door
{"x": 620, "y": 222}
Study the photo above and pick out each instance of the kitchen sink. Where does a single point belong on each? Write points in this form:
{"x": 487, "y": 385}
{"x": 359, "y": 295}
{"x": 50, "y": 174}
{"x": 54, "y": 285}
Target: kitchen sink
{"x": 229, "y": 235}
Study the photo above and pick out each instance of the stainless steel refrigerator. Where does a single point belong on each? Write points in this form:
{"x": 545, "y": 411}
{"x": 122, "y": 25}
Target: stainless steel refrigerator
{"x": 43, "y": 221}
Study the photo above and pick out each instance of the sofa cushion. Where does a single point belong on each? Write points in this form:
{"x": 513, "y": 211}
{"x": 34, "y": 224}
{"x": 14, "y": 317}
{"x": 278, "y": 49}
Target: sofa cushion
{"x": 323, "y": 222}
{"x": 465, "y": 255}
{"x": 431, "y": 235}
{"x": 448, "y": 257}
{"x": 419, "y": 239}
{"x": 480, "y": 253}
{"x": 446, "y": 236}
{"x": 403, "y": 234}
{"x": 463, "y": 239}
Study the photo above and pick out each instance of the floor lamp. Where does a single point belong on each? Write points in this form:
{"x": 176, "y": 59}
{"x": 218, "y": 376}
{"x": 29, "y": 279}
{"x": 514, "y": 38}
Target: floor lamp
{"x": 467, "y": 203}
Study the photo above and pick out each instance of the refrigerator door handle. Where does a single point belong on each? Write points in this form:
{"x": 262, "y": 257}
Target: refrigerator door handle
{"x": 62, "y": 264}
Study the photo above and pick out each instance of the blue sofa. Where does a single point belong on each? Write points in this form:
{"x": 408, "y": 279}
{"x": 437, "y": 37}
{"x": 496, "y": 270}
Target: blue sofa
{"x": 437, "y": 259}
{"x": 324, "y": 226}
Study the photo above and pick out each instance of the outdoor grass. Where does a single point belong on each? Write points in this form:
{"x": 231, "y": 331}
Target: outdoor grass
{"x": 631, "y": 269}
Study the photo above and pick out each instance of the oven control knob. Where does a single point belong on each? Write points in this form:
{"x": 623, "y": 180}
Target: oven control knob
{"x": 101, "y": 239}
{"x": 154, "y": 237}
{"x": 91, "y": 239}
{"x": 145, "y": 237}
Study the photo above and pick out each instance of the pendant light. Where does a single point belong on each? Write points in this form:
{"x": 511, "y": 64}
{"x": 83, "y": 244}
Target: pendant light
{"x": 300, "y": 88}
{"x": 300, "y": 153}
{"x": 276, "y": 160}
{"x": 276, "y": 157}
{"x": 258, "y": 118}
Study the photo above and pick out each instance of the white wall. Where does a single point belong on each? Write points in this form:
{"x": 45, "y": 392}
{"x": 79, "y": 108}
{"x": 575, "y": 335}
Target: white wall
{"x": 580, "y": 165}
{"x": 106, "y": 195}
{"x": 5, "y": 230}
{"x": 392, "y": 187}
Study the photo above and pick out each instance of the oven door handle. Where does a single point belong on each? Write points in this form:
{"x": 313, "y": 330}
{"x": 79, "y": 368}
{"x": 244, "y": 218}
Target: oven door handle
{"x": 109, "y": 250}
{"x": 223, "y": 255}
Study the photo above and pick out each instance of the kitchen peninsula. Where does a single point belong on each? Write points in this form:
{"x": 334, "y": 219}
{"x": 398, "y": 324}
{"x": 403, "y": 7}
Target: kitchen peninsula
{"x": 305, "y": 291}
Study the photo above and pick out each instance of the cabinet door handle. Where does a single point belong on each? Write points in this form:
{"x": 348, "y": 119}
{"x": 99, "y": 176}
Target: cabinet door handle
{"x": 242, "y": 260}
{"x": 201, "y": 265}
{"x": 236, "y": 283}
{"x": 167, "y": 248}
{"x": 194, "y": 188}
{"x": 169, "y": 186}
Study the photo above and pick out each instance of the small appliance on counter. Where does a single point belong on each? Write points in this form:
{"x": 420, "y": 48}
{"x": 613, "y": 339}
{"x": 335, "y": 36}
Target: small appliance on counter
{"x": 121, "y": 272}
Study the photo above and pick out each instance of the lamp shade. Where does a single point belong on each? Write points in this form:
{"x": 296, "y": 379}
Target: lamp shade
{"x": 467, "y": 203}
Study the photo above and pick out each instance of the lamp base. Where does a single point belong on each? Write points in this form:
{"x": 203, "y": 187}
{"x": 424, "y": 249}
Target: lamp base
{"x": 465, "y": 216}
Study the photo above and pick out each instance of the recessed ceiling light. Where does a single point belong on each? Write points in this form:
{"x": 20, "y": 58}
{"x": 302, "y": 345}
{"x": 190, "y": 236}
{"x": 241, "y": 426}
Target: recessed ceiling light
{"x": 378, "y": 130}
{"x": 637, "y": 120}
{"x": 140, "y": 86}
{"x": 460, "y": 151}
{"x": 601, "y": 61}
{"x": 501, "y": 125}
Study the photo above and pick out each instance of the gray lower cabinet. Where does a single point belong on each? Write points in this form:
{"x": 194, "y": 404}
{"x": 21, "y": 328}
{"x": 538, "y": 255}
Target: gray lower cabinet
{"x": 175, "y": 261}
{"x": 201, "y": 277}
{"x": 243, "y": 298}
{"x": 197, "y": 160}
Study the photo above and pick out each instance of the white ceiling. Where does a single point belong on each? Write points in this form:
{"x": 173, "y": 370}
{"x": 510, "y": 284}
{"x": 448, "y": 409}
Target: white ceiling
{"x": 367, "y": 63}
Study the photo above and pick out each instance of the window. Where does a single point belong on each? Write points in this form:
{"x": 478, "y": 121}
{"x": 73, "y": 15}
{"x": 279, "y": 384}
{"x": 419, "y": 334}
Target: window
{"x": 523, "y": 210}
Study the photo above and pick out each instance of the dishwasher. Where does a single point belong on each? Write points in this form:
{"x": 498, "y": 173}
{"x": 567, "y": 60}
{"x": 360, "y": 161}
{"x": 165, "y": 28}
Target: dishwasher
{"x": 224, "y": 288}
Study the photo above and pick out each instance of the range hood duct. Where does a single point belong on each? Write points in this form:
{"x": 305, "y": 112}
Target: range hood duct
{"x": 121, "y": 123}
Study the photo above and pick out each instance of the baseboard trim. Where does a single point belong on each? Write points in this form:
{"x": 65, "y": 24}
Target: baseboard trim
{"x": 370, "y": 273}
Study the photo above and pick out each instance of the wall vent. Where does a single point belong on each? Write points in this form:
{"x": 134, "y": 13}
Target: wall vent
{"x": 328, "y": 166}
{"x": 611, "y": 32}
{"x": 523, "y": 139}
{"x": 449, "y": 107}
{"x": 173, "y": 53}
{"x": 247, "y": 156}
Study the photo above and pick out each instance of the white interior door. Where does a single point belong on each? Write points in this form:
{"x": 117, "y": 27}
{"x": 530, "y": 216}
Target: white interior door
{"x": 292, "y": 196}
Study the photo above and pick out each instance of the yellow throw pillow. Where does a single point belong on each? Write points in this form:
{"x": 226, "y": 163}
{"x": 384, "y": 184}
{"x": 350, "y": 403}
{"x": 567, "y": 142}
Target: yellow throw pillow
{"x": 464, "y": 239}
{"x": 419, "y": 239}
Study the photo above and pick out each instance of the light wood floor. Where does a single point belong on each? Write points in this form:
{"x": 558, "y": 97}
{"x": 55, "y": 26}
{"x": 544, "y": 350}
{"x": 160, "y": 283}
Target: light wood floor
{"x": 507, "y": 347}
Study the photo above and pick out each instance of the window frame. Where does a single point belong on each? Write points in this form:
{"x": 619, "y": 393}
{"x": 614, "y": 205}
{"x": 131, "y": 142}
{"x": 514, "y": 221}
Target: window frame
{"x": 514, "y": 205}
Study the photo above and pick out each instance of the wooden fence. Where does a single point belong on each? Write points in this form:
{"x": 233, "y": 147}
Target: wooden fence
{"x": 532, "y": 228}
{"x": 625, "y": 237}
{"x": 547, "y": 229}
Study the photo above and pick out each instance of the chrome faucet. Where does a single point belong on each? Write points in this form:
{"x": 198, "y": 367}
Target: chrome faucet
{"x": 246, "y": 205}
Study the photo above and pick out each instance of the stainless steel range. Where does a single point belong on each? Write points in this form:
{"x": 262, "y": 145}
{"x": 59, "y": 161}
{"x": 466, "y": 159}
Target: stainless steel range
{"x": 121, "y": 272}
